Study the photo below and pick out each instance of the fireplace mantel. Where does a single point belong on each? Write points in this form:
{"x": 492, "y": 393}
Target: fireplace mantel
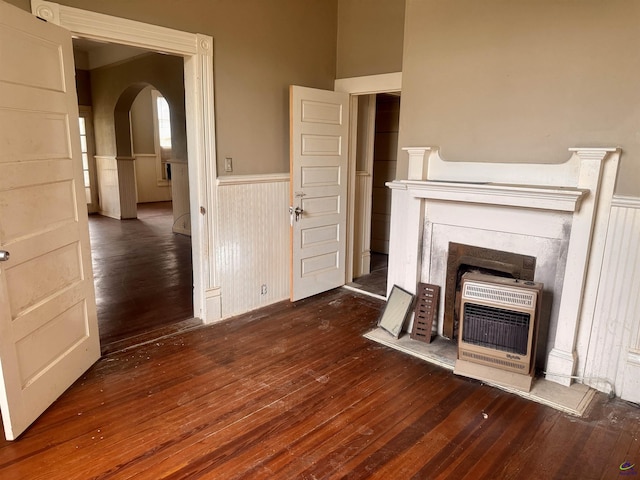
{"x": 565, "y": 199}
{"x": 555, "y": 212}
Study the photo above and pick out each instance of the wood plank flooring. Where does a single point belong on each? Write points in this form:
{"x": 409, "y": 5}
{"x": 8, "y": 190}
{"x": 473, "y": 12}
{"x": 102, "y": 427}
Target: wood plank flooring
{"x": 143, "y": 275}
{"x": 294, "y": 391}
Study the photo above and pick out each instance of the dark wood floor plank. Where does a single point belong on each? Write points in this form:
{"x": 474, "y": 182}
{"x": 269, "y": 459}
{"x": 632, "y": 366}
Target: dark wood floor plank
{"x": 335, "y": 424}
{"x": 142, "y": 274}
{"x": 447, "y": 439}
{"x": 294, "y": 391}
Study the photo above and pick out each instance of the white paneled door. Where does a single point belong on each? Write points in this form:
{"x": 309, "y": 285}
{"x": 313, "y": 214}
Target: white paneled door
{"x": 48, "y": 323}
{"x": 319, "y": 128}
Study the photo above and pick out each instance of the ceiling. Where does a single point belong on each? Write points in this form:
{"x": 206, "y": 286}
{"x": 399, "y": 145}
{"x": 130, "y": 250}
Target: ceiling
{"x": 91, "y": 54}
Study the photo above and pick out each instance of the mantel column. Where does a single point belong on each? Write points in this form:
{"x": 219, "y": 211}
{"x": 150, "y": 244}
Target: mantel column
{"x": 561, "y": 362}
{"x": 407, "y": 225}
{"x": 405, "y": 241}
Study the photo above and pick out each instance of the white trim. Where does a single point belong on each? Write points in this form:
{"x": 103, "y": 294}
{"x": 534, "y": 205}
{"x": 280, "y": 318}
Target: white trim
{"x": 197, "y": 51}
{"x": 351, "y": 187}
{"x": 425, "y": 163}
{"x": 106, "y": 28}
{"x": 383, "y": 83}
{"x": 625, "y": 201}
{"x": 228, "y": 180}
{"x": 371, "y": 84}
{"x": 524, "y": 196}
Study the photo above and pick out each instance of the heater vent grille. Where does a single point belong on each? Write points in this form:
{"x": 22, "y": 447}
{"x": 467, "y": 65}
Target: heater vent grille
{"x": 494, "y": 360}
{"x": 498, "y": 294}
{"x": 495, "y": 328}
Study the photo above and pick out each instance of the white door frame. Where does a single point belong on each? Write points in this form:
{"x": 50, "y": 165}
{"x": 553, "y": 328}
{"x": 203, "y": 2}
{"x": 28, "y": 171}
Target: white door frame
{"x": 383, "y": 83}
{"x": 197, "y": 51}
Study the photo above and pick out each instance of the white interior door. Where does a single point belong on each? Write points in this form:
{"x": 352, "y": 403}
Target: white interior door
{"x": 319, "y": 128}
{"x": 48, "y": 323}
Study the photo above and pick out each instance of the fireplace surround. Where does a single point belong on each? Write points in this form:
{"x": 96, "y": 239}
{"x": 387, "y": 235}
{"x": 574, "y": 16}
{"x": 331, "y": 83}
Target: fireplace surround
{"x": 556, "y": 213}
{"x": 462, "y": 258}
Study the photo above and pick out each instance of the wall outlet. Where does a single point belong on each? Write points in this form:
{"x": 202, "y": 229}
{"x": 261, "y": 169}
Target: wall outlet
{"x": 228, "y": 164}
{"x": 263, "y": 289}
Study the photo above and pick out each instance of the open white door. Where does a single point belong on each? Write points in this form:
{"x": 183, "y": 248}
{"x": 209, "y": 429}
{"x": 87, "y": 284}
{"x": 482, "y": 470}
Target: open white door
{"x": 48, "y": 322}
{"x": 319, "y": 129}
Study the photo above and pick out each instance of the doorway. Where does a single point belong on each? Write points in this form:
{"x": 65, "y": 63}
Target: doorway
{"x": 196, "y": 51}
{"x": 375, "y": 164}
{"x": 142, "y": 265}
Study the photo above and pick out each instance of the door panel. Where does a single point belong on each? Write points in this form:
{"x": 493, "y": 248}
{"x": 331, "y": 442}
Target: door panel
{"x": 319, "y": 129}
{"x": 48, "y": 322}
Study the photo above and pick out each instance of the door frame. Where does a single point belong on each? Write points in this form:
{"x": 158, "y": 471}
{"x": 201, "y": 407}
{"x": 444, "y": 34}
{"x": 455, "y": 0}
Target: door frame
{"x": 355, "y": 86}
{"x": 197, "y": 51}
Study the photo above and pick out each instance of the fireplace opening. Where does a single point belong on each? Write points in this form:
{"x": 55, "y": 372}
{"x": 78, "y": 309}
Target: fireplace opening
{"x": 468, "y": 258}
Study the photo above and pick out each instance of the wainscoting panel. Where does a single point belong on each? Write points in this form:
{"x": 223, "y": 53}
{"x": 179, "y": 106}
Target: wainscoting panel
{"x": 614, "y": 347}
{"x": 253, "y": 247}
{"x": 108, "y": 191}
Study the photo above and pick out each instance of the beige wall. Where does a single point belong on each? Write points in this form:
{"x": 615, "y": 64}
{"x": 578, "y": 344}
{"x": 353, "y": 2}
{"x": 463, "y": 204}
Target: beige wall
{"x": 260, "y": 47}
{"x": 108, "y": 84}
{"x": 142, "y": 134}
{"x": 523, "y": 80}
{"x": 370, "y": 36}
{"x": 23, "y": 4}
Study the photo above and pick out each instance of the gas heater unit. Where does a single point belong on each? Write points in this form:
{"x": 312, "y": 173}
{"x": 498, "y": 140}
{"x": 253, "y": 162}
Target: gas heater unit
{"x": 498, "y": 328}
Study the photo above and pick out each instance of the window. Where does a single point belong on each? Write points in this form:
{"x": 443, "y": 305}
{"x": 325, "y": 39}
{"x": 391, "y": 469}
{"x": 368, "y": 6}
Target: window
{"x": 164, "y": 122}
{"x": 88, "y": 162}
{"x": 85, "y": 156}
{"x": 162, "y": 134}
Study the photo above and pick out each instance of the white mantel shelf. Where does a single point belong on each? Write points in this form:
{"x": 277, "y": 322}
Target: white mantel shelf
{"x": 565, "y": 199}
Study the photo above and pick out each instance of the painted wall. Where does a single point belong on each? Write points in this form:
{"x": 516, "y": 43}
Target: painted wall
{"x": 149, "y": 187}
{"x": 260, "y": 47}
{"x": 521, "y": 81}
{"x": 142, "y": 134}
{"x": 23, "y": 4}
{"x": 164, "y": 72}
{"x": 370, "y": 37}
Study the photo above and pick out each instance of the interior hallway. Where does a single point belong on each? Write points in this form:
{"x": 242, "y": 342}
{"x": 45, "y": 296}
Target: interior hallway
{"x": 294, "y": 391}
{"x": 143, "y": 276}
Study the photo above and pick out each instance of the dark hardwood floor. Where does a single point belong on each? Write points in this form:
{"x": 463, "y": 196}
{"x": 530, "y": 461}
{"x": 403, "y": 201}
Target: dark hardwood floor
{"x": 293, "y": 391}
{"x": 143, "y": 276}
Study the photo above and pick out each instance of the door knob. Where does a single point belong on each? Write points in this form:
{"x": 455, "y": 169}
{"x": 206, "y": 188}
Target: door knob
{"x": 295, "y": 213}
{"x": 4, "y": 255}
